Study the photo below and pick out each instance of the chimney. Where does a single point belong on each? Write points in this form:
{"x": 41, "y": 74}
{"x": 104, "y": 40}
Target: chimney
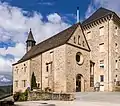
{"x": 78, "y": 15}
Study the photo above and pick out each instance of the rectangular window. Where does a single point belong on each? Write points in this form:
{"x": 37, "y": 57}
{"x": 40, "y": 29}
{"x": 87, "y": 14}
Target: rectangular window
{"x": 16, "y": 83}
{"x": 101, "y": 30}
{"x": 91, "y": 80}
{"x": 24, "y": 83}
{"x": 25, "y": 68}
{"x": 89, "y": 35}
{"x": 101, "y": 47}
{"x": 47, "y": 68}
{"x": 116, "y": 30}
{"x": 116, "y": 64}
{"x": 116, "y": 47}
{"x": 101, "y": 78}
{"x": 51, "y": 56}
{"x": 91, "y": 74}
{"x": 102, "y": 64}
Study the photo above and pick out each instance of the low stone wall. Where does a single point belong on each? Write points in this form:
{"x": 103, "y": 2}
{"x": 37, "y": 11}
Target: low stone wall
{"x": 37, "y": 95}
{"x": 116, "y": 89}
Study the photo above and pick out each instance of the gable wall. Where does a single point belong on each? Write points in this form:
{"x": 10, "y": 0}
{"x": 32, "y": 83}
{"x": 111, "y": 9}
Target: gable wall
{"x": 72, "y": 67}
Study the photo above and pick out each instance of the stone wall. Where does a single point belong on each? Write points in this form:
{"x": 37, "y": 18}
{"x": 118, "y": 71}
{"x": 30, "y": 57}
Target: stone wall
{"x": 72, "y": 67}
{"x": 109, "y": 39}
{"x": 56, "y": 75}
{"x": 20, "y": 74}
{"x": 96, "y": 55}
{"x": 115, "y": 38}
{"x": 35, "y": 66}
{"x": 50, "y": 96}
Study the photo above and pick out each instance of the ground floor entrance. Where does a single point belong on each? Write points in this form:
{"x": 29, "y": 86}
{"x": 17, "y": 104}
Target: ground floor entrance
{"x": 78, "y": 82}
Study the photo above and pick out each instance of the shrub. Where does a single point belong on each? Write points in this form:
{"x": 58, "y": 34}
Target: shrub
{"x": 18, "y": 96}
{"x": 33, "y": 82}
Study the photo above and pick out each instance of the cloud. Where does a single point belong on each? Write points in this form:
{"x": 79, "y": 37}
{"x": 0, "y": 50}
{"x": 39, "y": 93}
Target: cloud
{"x": 5, "y": 64}
{"x": 46, "y": 3}
{"x": 14, "y": 25}
{"x": 109, "y": 4}
{"x": 16, "y": 51}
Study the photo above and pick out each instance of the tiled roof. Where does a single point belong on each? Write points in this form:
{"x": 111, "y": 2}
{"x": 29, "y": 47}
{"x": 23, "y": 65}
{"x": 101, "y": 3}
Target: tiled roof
{"x": 101, "y": 12}
{"x": 55, "y": 41}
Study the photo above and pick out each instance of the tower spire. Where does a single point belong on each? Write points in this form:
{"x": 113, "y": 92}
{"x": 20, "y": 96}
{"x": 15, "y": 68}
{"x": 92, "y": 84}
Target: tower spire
{"x": 30, "y": 41}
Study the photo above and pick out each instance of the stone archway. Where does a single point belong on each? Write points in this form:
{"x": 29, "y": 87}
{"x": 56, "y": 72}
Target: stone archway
{"x": 78, "y": 82}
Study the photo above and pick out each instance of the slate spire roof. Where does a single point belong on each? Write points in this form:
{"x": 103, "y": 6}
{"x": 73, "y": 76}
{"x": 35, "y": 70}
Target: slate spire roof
{"x": 30, "y": 36}
{"x": 101, "y": 12}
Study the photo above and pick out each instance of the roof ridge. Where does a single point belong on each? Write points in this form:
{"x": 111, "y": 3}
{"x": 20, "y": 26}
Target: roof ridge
{"x": 56, "y": 34}
{"x": 101, "y": 12}
{"x": 50, "y": 43}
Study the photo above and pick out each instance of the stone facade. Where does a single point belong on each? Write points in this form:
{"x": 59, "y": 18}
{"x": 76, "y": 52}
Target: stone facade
{"x": 57, "y": 68}
{"x": 89, "y": 56}
{"x": 109, "y": 53}
{"x": 21, "y": 76}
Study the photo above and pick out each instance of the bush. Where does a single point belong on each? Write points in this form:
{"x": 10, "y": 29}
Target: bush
{"x": 24, "y": 96}
{"x": 33, "y": 82}
{"x": 16, "y": 96}
{"x": 19, "y": 96}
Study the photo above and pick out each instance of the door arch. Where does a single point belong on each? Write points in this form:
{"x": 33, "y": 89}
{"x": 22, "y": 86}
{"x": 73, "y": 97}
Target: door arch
{"x": 78, "y": 82}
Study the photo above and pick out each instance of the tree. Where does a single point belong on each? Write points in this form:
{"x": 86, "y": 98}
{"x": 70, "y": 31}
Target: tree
{"x": 33, "y": 81}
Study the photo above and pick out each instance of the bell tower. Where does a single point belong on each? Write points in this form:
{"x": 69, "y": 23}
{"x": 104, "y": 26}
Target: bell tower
{"x": 30, "y": 41}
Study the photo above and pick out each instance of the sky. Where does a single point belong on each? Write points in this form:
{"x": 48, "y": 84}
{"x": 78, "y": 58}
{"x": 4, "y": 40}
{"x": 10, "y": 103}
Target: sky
{"x": 44, "y": 17}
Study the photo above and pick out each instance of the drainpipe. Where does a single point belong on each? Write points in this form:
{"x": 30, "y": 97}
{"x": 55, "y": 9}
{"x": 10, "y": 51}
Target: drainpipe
{"x": 108, "y": 55}
{"x": 41, "y": 72}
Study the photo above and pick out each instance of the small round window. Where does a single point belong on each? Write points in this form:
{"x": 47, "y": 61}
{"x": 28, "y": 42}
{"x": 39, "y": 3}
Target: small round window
{"x": 79, "y": 58}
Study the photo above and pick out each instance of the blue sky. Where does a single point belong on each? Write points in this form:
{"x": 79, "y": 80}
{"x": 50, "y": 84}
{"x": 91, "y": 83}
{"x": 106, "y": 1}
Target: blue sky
{"x": 63, "y": 7}
{"x": 45, "y": 17}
